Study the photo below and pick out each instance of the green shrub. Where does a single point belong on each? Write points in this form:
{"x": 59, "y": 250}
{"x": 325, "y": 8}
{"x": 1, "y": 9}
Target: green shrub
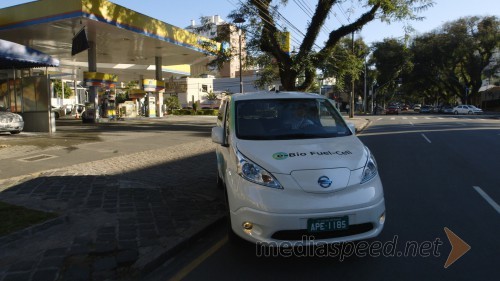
{"x": 182, "y": 112}
{"x": 192, "y": 112}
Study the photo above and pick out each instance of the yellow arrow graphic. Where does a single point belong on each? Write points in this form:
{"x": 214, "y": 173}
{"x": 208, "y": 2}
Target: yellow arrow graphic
{"x": 458, "y": 247}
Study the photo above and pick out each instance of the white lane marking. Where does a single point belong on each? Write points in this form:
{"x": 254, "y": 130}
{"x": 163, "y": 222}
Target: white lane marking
{"x": 427, "y": 118}
{"x": 393, "y": 118}
{"x": 380, "y": 118}
{"x": 487, "y": 198}
{"x": 412, "y": 123}
{"x": 404, "y": 118}
{"x": 415, "y": 118}
{"x": 427, "y": 139}
{"x": 440, "y": 118}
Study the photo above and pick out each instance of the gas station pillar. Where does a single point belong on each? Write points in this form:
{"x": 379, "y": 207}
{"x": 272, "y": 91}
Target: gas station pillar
{"x": 159, "y": 77}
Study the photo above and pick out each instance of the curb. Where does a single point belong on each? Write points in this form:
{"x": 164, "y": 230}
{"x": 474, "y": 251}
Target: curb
{"x": 368, "y": 122}
{"x": 161, "y": 256}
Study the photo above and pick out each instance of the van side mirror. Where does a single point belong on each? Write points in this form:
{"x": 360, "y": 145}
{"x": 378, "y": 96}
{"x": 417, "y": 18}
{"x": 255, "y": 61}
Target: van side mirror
{"x": 352, "y": 127}
{"x": 218, "y": 135}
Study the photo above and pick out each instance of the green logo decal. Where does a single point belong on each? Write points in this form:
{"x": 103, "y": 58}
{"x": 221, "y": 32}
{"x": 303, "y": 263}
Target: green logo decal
{"x": 280, "y": 155}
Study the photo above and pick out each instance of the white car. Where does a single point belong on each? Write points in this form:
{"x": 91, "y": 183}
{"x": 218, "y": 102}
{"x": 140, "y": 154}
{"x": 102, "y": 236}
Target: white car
{"x": 467, "y": 109}
{"x": 58, "y": 111}
{"x": 10, "y": 122}
{"x": 292, "y": 169}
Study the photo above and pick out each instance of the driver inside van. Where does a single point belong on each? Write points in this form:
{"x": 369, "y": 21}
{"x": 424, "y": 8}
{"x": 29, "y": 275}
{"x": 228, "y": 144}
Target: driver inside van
{"x": 301, "y": 117}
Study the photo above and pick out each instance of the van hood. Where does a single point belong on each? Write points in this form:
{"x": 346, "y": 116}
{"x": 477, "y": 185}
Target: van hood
{"x": 286, "y": 156}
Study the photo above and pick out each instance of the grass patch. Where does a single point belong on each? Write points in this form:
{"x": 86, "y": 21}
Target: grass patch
{"x": 15, "y": 218}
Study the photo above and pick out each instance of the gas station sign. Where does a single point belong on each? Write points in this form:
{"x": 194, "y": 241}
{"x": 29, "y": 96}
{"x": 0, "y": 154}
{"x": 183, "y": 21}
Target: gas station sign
{"x": 98, "y": 79}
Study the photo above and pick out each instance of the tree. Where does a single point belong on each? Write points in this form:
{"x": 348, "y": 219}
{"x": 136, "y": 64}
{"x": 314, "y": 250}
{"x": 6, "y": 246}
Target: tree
{"x": 58, "y": 89}
{"x": 452, "y": 60}
{"x": 393, "y": 62}
{"x": 265, "y": 34}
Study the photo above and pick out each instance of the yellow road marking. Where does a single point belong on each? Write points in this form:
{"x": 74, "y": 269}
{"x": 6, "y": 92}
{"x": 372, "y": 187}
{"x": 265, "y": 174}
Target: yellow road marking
{"x": 196, "y": 262}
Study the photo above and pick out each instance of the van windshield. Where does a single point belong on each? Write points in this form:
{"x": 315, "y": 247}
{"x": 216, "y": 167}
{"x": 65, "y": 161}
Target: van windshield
{"x": 285, "y": 119}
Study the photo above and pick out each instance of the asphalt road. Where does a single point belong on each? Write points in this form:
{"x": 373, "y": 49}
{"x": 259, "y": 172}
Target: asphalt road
{"x": 438, "y": 172}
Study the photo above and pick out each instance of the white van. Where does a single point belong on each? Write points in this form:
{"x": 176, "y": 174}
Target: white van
{"x": 292, "y": 168}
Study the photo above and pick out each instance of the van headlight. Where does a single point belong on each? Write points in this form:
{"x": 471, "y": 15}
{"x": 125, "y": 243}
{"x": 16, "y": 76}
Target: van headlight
{"x": 370, "y": 170}
{"x": 255, "y": 173}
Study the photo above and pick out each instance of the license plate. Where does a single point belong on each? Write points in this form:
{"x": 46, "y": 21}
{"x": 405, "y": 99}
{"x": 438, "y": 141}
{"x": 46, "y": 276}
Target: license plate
{"x": 328, "y": 224}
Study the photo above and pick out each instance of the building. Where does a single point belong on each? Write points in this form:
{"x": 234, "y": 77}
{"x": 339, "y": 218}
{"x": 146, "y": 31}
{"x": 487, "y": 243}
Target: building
{"x": 97, "y": 41}
{"x": 214, "y": 27}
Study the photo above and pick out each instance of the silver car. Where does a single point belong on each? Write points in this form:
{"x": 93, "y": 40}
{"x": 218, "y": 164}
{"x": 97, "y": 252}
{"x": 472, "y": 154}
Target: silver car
{"x": 467, "y": 109}
{"x": 10, "y": 122}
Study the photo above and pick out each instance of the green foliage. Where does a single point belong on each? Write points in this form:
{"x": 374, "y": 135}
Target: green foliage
{"x": 344, "y": 64}
{"x": 57, "y": 86}
{"x": 121, "y": 97}
{"x": 192, "y": 112}
{"x": 265, "y": 49}
{"x": 393, "y": 60}
{"x": 208, "y": 112}
{"x": 124, "y": 96}
{"x": 454, "y": 59}
{"x": 172, "y": 102}
{"x": 182, "y": 112}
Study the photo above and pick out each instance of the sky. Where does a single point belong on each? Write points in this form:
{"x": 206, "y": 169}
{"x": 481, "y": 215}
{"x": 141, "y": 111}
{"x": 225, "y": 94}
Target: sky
{"x": 180, "y": 13}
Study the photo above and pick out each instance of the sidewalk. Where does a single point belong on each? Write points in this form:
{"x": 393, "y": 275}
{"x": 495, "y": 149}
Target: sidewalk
{"x": 119, "y": 218}
{"x": 359, "y": 121}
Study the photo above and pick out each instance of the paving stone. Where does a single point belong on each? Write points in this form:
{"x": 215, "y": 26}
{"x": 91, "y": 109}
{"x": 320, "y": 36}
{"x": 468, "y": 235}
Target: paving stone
{"x": 23, "y": 276}
{"x": 55, "y": 262}
{"x": 104, "y": 247}
{"x": 57, "y": 252}
{"x": 105, "y": 263}
{"x": 127, "y": 257}
{"x": 77, "y": 272}
{"x": 79, "y": 250}
{"x": 22, "y": 266}
{"x": 45, "y": 275}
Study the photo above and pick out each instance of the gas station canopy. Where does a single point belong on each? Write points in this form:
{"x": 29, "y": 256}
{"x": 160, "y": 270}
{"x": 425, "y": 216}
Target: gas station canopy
{"x": 126, "y": 42}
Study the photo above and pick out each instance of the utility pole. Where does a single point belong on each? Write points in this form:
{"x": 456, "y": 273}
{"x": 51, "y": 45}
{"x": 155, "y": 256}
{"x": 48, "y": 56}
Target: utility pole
{"x": 351, "y": 101}
{"x": 239, "y": 21}
{"x": 364, "y": 90}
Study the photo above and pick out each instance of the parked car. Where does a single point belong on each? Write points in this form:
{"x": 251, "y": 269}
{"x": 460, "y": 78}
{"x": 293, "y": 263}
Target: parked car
{"x": 291, "y": 166}
{"x": 447, "y": 109}
{"x": 392, "y": 109}
{"x": 58, "y": 111}
{"x": 10, "y": 122}
{"x": 467, "y": 109}
{"x": 68, "y": 108}
{"x": 416, "y": 107}
{"x": 77, "y": 110}
{"x": 405, "y": 107}
{"x": 425, "y": 109}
